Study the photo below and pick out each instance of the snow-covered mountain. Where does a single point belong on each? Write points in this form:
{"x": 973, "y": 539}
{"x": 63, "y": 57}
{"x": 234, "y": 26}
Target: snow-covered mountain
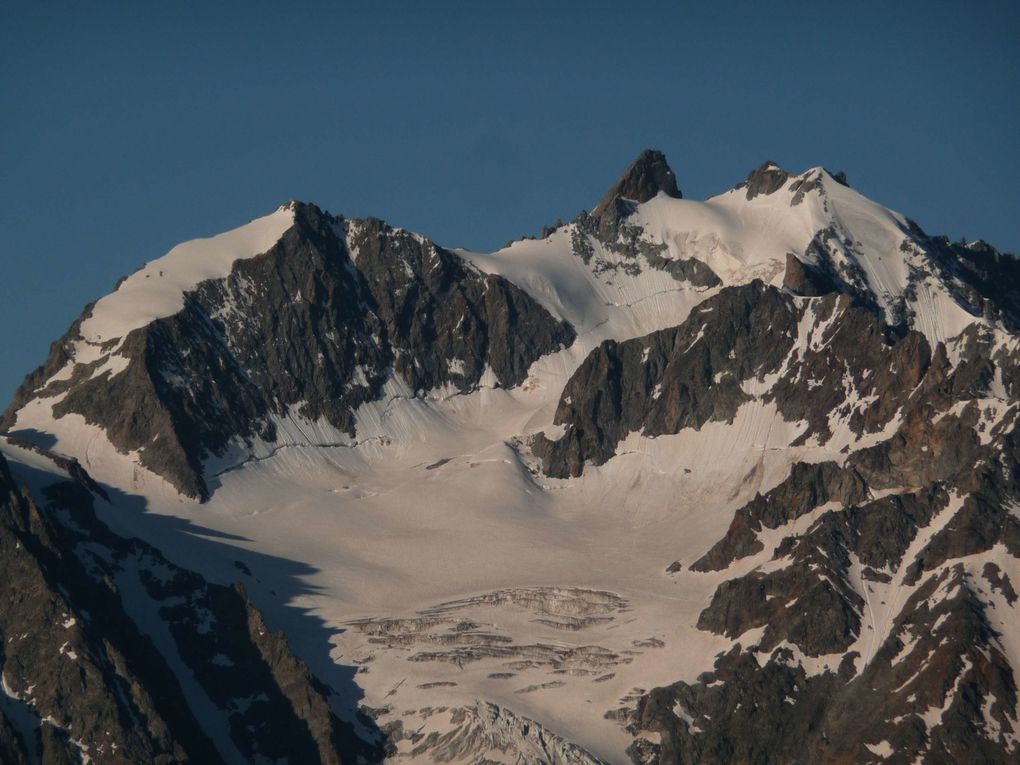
{"x": 680, "y": 481}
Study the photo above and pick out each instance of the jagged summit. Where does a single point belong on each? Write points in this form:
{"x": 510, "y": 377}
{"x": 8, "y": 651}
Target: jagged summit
{"x": 770, "y": 177}
{"x": 684, "y": 481}
{"x": 358, "y": 302}
{"x": 766, "y": 179}
{"x": 647, "y": 176}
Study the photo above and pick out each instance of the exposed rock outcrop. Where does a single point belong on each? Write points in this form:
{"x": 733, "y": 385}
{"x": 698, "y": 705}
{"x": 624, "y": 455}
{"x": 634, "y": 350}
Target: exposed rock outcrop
{"x": 854, "y": 383}
{"x": 672, "y": 379}
{"x": 647, "y": 175}
{"x": 938, "y": 689}
{"x": 215, "y": 374}
{"x": 767, "y": 179}
{"x": 686, "y": 376}
{"x": 805, "y": 279}
{"x": 111, "y": 653}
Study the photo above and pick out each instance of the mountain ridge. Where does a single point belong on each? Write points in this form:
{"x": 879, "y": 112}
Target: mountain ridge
{"x": 675, "y": 469}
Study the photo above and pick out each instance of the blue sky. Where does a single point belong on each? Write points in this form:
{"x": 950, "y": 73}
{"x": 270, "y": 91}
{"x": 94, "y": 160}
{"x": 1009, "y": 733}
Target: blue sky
{"x": 130, "y": 126}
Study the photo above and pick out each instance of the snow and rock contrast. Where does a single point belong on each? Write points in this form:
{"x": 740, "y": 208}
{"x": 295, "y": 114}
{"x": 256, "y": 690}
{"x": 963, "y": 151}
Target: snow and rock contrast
{"x": 681, "y": 481}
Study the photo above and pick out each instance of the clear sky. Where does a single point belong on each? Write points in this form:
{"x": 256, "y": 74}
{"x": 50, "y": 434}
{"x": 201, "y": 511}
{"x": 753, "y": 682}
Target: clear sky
{"x": 126, "y": 127}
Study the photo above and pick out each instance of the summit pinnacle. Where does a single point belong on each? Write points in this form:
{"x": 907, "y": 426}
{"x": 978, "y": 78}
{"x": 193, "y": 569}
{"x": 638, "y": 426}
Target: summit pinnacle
{"x": 647, "y": 176}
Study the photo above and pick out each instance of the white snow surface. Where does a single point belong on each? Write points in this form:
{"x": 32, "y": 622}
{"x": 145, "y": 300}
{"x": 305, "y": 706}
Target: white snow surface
{"x": 436, "y": 500}
{"x": 157, "y": 289}
{"x": 740, "y": 240}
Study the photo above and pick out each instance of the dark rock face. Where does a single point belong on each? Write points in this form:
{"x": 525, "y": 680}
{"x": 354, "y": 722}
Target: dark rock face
{"x": 941, "y": 657}
{"x": 435, "y": 310}
{"x": 217, "y": 371}
{"x": 986, "y": 280}
{"x": 838, "y": 267}
{"x": 91, "y": 682}
{"x": 936, "y": 686}
{"x": 808, "y": 487}
{"x": 625, "y": 240}
{"x": 647, "y": 176}
{"x": 770, "y": 178}
{"x": 808, "y": 604}
{"x": 91, "y": 674}
{"x": 767, "y": 179}
{"x": 805, "y": 279}
{"x": 608, "y": 226}
{"x": 691, "y": 374}
{"x": 861, "y": 596}
{"x": 933, "y": 449}
{"x": 803, "y": 186}
{"x": 850, "y": 357}
{"x": 672, "y": 379}
{"x": 1000, "y": 582}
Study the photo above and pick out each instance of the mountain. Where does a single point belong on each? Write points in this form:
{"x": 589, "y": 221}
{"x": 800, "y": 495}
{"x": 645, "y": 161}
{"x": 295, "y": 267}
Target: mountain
{"x": 728, "y": 481}
{"x": 112, "y": 653}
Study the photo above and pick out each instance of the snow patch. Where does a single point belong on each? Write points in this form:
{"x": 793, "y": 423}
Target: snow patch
{"x": 157, "y": 289}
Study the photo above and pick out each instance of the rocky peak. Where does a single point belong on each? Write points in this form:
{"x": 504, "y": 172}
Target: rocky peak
{"x": 357, "y": 301}
{"x": 831, "y": 467}
{"x": 767, "y": 179}
{"x": 132, "y": 658}
{"x": 647, "y": 176}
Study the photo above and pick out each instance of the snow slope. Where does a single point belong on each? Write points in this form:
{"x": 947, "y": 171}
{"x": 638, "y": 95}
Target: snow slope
{"x": 446, "y": 568}
{"x": 157, "y": 289}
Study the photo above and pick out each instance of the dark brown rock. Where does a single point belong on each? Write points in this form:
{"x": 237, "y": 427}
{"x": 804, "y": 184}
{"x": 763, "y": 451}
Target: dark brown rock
{"x": 647, "y": 176}
{"x": 91, "y": 669}
{"x": 217, "y": 371}
{"x": 767, "y": 179}
{"x": 670, "y": 379}
{"x": 804, "y": 279}
{"x": 743, "y": 712}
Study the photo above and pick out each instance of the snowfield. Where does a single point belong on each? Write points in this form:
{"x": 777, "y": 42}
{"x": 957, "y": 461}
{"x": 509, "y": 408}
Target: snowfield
{"x": 430, "y": 555}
